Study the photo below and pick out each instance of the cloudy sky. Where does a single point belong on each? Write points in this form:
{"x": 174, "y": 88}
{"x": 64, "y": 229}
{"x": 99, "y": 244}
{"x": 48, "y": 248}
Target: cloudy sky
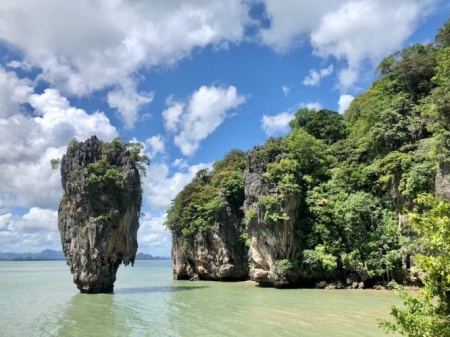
{"x": 190, "y": 79}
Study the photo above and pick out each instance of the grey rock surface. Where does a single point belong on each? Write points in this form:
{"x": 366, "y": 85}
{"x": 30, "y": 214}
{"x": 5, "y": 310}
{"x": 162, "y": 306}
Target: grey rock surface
{"x": 219, "y": 255}
{"x": 270, "y": 241}
{"x": 98, "y": 216}
{"x": 442, "y": 181}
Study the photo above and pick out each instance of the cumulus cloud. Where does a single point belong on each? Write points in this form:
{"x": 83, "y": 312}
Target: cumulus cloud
{"x": 89, "y": 46}
{"x": 353, "y": 31}
{"x": 155, "y": 145}
{"x": 34, "y": 231}
{"x": 161, "y": 186}
{"x": 276, "y": 125}
{"x": 315, "y": 76}
{"x": 366, "y": 30}
{"x": 29, "y": 139}
{"x": 172, "y": 115}
{"x": 291, "y": 21}
{"x": 13, "y": 92}
{"x": 344, "y": 102}
{"x": 312, "y": 105}
{"x": 128, "y": 102}
{"x": 153, "y": 237}
{"x": 196, "y": 119}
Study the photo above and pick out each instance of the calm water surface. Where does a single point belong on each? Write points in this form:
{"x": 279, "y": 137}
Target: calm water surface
{"x": 39, "y": 299}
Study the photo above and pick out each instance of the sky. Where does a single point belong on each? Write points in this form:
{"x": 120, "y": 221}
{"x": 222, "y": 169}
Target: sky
{"x": 189, "y": 79}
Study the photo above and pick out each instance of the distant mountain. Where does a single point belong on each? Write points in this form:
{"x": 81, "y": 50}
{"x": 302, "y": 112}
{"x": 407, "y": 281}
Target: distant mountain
{"x": 48, "y": 254}
{"x": 143, "y": 256}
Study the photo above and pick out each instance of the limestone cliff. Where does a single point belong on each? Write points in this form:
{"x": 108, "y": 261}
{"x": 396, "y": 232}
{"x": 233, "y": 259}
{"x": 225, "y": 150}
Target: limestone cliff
{"x": 98, "y": 216}
{"x": 272, "y": 243}
{"x": 219, "y": 255}
{"x": 206, "y": 221}
{"x": 442, "y": 181}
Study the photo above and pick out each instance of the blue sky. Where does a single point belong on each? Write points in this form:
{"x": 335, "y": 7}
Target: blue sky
{"x": 190, "y": 80}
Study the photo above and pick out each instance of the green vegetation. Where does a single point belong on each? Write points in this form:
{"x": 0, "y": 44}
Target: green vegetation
{"x": 355, "y": 187}
{"x": 428, "y": 313}
{"x": 103, "y": 179}
{"x": 210, "y": 197}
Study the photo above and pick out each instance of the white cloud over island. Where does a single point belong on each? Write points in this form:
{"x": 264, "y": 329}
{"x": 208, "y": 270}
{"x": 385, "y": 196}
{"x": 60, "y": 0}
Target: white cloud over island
{"x": 194, "y": 120}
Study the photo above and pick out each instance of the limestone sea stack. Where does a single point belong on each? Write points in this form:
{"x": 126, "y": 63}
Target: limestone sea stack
{"x": 98, "y": 216}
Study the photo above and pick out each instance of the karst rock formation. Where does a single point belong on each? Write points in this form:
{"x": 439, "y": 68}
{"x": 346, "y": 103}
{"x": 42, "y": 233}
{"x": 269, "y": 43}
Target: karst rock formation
{"x": 98, "y": 216}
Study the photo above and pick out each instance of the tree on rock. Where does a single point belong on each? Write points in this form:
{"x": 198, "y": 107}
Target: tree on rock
{"x": 428, "y": 314}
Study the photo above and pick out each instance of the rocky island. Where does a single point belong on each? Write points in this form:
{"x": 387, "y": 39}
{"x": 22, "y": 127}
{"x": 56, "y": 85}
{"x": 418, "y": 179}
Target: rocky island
{"x": 98, "y": 216}
{"x": 330, "y": 204}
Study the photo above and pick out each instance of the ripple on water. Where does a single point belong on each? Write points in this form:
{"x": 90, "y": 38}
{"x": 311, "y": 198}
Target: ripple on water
{"x": 147, "y": 302}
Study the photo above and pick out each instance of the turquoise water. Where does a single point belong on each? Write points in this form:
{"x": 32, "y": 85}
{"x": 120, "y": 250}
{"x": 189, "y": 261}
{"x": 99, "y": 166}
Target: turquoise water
{"x": 39, "y": 299}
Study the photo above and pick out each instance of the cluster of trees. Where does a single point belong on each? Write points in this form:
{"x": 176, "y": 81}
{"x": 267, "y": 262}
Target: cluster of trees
{"x": 364, "y": 180}
{"x": 210, "y": 197}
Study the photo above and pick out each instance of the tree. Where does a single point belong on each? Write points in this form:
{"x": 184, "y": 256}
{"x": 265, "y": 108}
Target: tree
{"x": 428, "y": 314}
{"x": 324, "y": 124}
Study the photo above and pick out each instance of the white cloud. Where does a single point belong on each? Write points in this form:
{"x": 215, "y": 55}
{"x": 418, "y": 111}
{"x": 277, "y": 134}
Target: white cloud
{"x": 180, "y": 163}
{"x": 315, "y": 76}
{"x": 354, "y": 31}
{"x": 161, "y": 187}
{"x": 155, "y": 145}
{"x": 28, "y": 142}
{"x": 34, "y": 231}
{"x": 291, "y": 21}
{"x": 153, "y": 237}
{"x": 19, "y": 65}
{"x": 276, "y": 125}
{"x": 195, "y": 120}
{"x": 13, "y": 93}
{"x": 88, "y": 46}
{"x": 312, "y": 105}
{"x": 172, "y": 115}
{"x": 344, "y": 102}
{"x": 286, "y": 89}
{"x": 128, "y": 102}
{"x": 365, "y": 30}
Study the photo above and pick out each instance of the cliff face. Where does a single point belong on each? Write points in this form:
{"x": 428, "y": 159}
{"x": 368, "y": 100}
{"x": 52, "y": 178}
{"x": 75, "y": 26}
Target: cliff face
{"x": 442, "y": 181}
{"x": 271, "y": 242}
{"x": 98, "y": 216}
{"x": 219, "y": 255}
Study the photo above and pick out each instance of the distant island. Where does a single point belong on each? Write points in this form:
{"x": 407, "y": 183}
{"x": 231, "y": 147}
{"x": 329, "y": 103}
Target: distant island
{"x": 50, "y": 255}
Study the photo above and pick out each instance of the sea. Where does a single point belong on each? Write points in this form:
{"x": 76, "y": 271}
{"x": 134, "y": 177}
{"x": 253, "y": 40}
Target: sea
{"x": 38, "y": 298}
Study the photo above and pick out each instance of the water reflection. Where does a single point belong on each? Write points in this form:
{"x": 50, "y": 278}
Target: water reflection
{"x": 130, "y": 311}
{"x": 159, "y": 289}
{"x": 93, "y": 315}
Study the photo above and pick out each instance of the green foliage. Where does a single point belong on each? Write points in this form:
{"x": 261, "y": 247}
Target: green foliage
{"x": 343, "y": 182}
{"x": 427, "y": 314}
{"x": 250, "y": 215}
{"x": 273, "y": 208}
{"x": 245, "y": 239}
{"x": 443, "y": 35}
{"x": 318, "y": 262}
{"x": 139, "y": 160}
{"x": 326, "y": 125}
{"x": 282, "y": 266}
{"x": 72, "y": 145}
{"x": 270, "y": 151}
{"x": 103, "y": 181}
{"x": 210, "y": 198}
{"x": 54, "y": 163}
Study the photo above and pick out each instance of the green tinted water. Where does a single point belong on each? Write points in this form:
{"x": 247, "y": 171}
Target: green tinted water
{"x": 39, "y": 299}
